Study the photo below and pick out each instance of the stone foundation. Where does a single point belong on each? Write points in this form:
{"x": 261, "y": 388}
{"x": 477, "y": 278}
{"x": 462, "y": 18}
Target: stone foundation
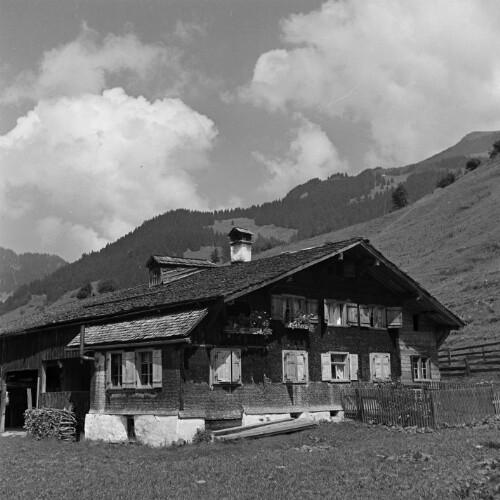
{"x": 110, "y": 428}
{"x": 151, "y": 430}
{"x": 261, "y": 419}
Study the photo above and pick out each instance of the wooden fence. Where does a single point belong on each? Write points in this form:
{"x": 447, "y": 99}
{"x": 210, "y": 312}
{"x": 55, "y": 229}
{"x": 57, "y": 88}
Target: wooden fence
{"x": 481, "y": 359}
{"x": 422, "y": 407}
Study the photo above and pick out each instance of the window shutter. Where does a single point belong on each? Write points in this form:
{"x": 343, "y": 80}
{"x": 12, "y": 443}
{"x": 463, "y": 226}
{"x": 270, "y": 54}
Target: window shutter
{"x": 108, "y": 369}
{"x": 302, "y": 367}
{"x": 236, "y": 366}
{"x": 364, "y": 315}
{"x": 394, "y": 317}
{"x": 222, "y": 365}
{"x": 276, "y": 307}
{"x": 157, "y": 368}
{"x": 353, "y": 366}
{"x": 386, "y": 366}
{"x": 129, "y": 371}
{"x": 352, "y": 314}
{"x": 326, "y": 366}
{"x": 290, "y": 367}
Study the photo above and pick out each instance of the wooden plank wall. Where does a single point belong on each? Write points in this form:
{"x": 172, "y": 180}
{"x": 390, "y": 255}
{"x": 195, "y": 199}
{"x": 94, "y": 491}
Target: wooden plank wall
{"x": 421, "y": 343}
{"x": 478, "y": 359}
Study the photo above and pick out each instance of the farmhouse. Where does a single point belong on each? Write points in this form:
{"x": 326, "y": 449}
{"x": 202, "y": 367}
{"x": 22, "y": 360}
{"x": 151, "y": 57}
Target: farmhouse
{"x": 205, "y": 346}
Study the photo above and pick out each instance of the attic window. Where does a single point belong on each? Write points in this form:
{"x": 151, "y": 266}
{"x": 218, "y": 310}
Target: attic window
{"x": 154, "y": 276}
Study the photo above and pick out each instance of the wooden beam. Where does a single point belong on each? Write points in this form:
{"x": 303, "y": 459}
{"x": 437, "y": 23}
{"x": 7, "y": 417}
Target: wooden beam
{"x": 3, "y": 402}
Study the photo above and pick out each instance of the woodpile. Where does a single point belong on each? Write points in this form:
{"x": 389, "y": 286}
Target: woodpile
{"x": 50, "y": 423}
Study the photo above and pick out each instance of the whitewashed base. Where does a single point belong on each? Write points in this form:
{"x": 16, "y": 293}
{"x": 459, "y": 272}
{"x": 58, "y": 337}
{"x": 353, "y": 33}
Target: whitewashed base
{"x": 150, "y": 430}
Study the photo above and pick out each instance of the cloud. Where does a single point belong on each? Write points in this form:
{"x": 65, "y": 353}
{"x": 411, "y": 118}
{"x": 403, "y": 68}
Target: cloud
{"x": 90, "y": 65}
{"x": 81, "y": 171}
{"x": 421, "y": 73}
{"x": 311, "y": 155}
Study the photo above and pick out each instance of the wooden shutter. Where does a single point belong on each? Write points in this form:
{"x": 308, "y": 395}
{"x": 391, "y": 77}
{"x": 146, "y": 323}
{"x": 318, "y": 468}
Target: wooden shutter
{"x": 129, "y": 371}
{"x": 222, "y": 368}
{"x": 352, "y": 314}
{"x": 108, "y": 369}
{"x": 353, "y": 366}
{"x": 302, "y": 367}
{"x": 364, "y": 315}
{"x": 157, "y": 368}
{"x": 377, "y": 367}
{"x": 326, "y": 366}
{"x": 385, "y": 360}
{"x": 290, "y": 367}
{"x": 276, "y": 307}
{"x": 394, "y": 317}
{"x": 236, "y": 366}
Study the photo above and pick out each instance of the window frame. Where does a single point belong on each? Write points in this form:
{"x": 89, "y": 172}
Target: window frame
{"x": 138, "y": 366}
{"x": 110, "y": 369}
{"x": 213, "y": 369}
{"x": 278, "y": 312}
{"x": 295, "y": 352}
{"x": 130, "y": 371}
{"x": 343, "y": 317}
{"x": 419, "y": 368}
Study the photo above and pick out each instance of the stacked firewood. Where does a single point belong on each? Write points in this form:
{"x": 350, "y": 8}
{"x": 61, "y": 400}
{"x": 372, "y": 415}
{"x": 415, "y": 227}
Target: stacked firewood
{"x": 43, "y": 423}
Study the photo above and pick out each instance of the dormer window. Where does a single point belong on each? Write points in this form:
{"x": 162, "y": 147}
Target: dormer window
{"x": 154, "y": 277}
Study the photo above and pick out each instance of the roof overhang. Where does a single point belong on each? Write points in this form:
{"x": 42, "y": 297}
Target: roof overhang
{"x": 176, "y": 325}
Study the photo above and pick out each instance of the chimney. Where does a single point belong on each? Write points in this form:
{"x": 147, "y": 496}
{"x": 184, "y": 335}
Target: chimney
{"x": 240, "y": 241}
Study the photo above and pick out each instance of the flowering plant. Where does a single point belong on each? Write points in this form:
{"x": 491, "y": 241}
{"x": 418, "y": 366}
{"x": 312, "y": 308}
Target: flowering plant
{"x": 257, "y": 320}
{"x": 302, "y": 320}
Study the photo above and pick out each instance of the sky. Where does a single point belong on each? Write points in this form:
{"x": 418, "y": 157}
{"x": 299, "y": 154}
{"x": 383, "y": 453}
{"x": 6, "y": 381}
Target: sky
{"x": 114, "y": 112}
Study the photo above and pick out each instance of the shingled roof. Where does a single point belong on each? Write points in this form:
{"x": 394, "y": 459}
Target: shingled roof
{"x": 158, "y": 327}
{"x": 222, "y": 282}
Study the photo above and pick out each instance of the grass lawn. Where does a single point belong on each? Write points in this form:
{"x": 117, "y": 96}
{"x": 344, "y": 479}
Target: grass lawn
{"x": 347, "y": 460}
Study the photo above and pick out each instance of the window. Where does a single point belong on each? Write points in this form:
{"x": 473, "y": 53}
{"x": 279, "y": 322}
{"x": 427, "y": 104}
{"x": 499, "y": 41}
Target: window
{"x": 380, "y": 366}
{"x": 225, "y": 366}
{"x": 364, "y": 316}
{"x": 144, "y": 365}
{"x": 420, "y": 368}
{"x": 155, "y": 276}
{"x": 295, "y": 367}
{"x": 339, "y": 366}
{"x": 290, "y": 307}
{"x": 116, "y": 368}
{"x": 415, "y": 322}
{"x": 134, "y": 369}
{"x": 335, "y": 313}
{"x": 377, "y": 317}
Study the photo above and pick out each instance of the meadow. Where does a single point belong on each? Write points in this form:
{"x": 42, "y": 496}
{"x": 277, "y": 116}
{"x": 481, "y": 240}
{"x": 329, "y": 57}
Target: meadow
{"x": 347, "y": 460}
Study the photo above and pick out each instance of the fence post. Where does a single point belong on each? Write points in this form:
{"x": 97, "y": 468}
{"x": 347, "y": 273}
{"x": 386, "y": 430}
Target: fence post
{"x": 360, "y": 404}
{"x": 434, "y": 406}
{"x": 467, "y": 367}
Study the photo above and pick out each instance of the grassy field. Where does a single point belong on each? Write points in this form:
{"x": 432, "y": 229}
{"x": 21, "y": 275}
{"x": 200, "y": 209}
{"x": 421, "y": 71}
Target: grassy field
{"x": 347, "y": 460}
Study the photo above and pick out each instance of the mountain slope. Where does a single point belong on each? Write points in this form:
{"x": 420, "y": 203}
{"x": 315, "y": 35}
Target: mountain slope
{"x": 20, "y": 269}
{"x": 449, "y": 241}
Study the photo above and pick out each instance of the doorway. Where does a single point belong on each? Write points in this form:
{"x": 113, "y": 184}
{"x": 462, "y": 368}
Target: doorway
{"x": 22, "y": 394}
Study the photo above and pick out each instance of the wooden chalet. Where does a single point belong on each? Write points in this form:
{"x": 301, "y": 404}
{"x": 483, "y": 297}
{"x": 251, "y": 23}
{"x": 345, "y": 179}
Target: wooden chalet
{"x": 213, "y": 346}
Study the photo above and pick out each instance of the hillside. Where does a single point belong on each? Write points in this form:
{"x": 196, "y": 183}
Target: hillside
{"x": 20, "y": 269}
{"x": 313, "y": 208}
{"x": 449, "y": 241}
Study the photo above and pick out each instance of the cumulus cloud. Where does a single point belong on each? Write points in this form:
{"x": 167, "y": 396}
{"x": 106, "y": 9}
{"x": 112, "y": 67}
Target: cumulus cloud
{"x": 80, "y": 171}
{"x": 311, "y": 154}
{"x": 89, "y": 65}
{"x": 421, "y": 73}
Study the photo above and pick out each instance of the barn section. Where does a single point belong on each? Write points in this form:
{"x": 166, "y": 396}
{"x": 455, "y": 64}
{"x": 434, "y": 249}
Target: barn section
{"x": 37, "y": 370}
{"x": 256, "y": 340}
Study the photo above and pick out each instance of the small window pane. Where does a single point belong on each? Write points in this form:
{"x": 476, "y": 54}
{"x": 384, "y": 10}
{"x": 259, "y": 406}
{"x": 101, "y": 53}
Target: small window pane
{"x": 116, "y": 370}
{"x": 146, "y": 368}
